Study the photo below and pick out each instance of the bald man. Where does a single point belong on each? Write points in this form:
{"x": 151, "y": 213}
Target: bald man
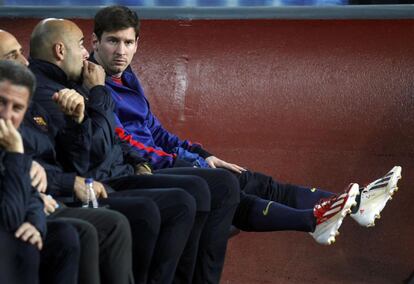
{"x": 101, "y": 231}
{"x": 161, "y": 220}
{"x": 117, "y": 165}
{"x": 10, "y": 48}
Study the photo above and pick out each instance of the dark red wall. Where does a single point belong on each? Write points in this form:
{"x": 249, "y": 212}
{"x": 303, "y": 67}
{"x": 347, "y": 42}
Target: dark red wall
{"x": 319, "y": 103}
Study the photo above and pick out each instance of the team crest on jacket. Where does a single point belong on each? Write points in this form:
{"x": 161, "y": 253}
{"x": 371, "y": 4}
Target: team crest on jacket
{"x": 40, "y": 122}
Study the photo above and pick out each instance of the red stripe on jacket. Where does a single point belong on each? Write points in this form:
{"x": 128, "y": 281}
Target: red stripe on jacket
{"x": 128, "y": 138}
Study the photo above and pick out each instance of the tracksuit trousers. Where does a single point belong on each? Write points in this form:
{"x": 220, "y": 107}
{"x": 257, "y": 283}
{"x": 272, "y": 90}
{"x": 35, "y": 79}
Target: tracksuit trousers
{"x": 268, "y": 205}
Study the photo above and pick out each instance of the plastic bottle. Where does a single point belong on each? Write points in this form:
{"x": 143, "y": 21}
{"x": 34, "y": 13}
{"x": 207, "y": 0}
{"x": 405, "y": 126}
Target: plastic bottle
{"x": 91, "y": 201}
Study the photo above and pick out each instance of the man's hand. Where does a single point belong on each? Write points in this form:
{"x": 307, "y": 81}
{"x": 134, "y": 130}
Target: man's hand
{"x": 93, "y": 75}
{"x": 10, "y": 138}
{"x": 28, "y": 233}
{"x": 38, "y": 177}
{"x": 143, "y": 169}
{"x": 215, "y": 162}
{"x": 50, "y": 204}
{"x": 71, "y": 103}
{"x": 81, "y": 193}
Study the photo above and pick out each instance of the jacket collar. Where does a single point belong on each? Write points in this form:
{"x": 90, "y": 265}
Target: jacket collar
{"x": 92, "y": 58}
{"x": 131, "y": 82}
{"x": 50, "y": 70}
{"x": 128, "y": 70}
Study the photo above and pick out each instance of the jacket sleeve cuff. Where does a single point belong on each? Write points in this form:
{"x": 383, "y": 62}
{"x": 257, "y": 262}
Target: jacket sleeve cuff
{"x": 68, "y": 182}
{"x": 16, "y": 161}
{"x": 39, "y": 221}
{"x": 78, "y": 127}
{"x": 200, "y": 151}
{"x": 64, "y": 185}
{"x": 98, "y": 95}
{"x": 35, "y": 215}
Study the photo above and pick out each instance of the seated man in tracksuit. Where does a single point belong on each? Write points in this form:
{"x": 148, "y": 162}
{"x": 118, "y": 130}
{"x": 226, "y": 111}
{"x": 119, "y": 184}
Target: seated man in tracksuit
{"x": 265, "y": 204}
{"x": 25, "y": 247}
{"x": 117, "y": 166}
{"x": 104, "y": 235}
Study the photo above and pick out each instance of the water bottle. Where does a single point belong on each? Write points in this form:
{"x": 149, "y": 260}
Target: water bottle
{"x": 90, "y": 201}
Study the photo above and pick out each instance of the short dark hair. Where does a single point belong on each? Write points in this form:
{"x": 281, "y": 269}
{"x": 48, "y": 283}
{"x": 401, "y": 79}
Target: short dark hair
{"x": 115, "y": 18}
{"x": 17, "y": 74}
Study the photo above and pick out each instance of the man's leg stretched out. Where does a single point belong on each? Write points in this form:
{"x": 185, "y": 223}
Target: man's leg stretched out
{"x": 267, "y": 205}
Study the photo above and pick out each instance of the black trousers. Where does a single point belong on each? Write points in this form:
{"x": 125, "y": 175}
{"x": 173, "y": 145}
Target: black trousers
{"x": 105, "y": 240}
{"x": 57, "y": 262}
{"x": 168, "y": 217}
{"x": 223, "y": 188}
{"x": 198, "y": 189}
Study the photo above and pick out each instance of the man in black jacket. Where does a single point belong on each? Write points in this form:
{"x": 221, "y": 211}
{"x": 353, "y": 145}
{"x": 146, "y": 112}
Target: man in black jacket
{"x": 114, "y": 250}
{"x": 25, "y": 247}
{"x": 104, "y": 235}
{"x": 114, "y": 162}
{"x": 161, "y": 220}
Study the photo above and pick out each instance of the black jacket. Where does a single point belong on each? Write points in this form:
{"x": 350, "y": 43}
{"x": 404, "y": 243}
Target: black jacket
{"x": 19, "y": 201}
{"x": 40, "y": 138}
{"x": 108, "y": 157}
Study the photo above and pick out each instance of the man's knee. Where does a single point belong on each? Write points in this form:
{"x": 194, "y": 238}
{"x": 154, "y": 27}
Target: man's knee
{"x": 119, "y": 227}
{"x": 141, "y": 212}
{"x": 19, "y": 261}
{"x": 182, "y": 203}
{"x": 229, "y": 189}
{"x": 199, "y": 189}
{"x": 63, "y": 236}
{"x": 256, "y": 183}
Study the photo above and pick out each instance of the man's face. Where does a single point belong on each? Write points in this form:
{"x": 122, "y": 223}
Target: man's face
{"x": 11, "y": 49}
{"x": 76, "y": 54}
{"x": 13, "y": 102}
{"x": 115, "y": 50}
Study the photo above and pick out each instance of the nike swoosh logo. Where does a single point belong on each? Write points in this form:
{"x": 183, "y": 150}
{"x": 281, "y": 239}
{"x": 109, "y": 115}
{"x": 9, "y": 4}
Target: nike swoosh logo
{"x": 266, "y": 211}
{"x": 313, "y": 189}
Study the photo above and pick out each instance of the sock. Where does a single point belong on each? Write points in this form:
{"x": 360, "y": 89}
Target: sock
{"x": 266, "y": 216}
{"x": 300, "y": 197}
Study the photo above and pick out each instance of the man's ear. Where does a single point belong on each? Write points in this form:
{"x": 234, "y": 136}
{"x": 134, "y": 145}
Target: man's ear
{"x": 95, "y": 42}
{"x": 59, "y": 51}
{"x": 136, "y": 44}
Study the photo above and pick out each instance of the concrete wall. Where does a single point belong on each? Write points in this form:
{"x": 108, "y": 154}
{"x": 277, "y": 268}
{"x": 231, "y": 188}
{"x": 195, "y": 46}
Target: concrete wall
{"x": 312, "y": 102}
